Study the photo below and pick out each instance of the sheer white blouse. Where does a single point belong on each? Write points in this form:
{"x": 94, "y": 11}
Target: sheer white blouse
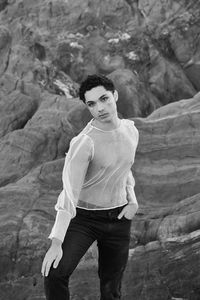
{"x": 97, "y": 172}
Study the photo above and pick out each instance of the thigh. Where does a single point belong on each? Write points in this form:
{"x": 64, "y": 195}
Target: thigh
{"x": 114, "y": 249}
{"x": 79, "y": 237}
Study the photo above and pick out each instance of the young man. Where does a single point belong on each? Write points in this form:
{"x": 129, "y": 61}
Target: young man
{"x": 97, "y": 202}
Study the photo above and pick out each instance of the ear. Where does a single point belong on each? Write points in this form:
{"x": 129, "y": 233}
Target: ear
{"x": 115, "y": 95}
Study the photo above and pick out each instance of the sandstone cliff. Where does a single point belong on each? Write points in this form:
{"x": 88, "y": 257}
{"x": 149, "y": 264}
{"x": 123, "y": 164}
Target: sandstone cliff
{"x": 151, "y": 51}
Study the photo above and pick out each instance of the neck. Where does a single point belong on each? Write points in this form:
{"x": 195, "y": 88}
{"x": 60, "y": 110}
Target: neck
{"x": 110, "y": 125}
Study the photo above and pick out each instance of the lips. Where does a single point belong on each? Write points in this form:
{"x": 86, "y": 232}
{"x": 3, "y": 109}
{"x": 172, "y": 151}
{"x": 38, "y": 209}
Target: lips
{"x": 103, "y": 115}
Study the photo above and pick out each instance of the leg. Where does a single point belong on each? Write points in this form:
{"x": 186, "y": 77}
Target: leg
{"x": 113, "y": 255}
{"x": 78, "y": 239}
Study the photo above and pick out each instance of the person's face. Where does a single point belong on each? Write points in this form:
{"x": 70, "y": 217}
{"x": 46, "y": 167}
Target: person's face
{"x": 102, "y": 104}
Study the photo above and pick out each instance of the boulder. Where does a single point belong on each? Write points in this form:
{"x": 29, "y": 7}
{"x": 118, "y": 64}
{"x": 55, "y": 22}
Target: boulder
{"x": 186, "y": 49}
{"x": 3, "y": 4}
{"x": 15, "y": 110}
{"x": 21, "y": 62}
{"x": 134, "y": 98}
{"x": 44, "y": 137}
{"x": 166, "y": 145}
{"x": 5, "y": 48}
{"x": 167, "y": 80}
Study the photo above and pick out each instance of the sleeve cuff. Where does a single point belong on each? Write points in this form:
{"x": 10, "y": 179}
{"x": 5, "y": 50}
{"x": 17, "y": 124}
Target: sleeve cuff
{"x": 61, "y": 224}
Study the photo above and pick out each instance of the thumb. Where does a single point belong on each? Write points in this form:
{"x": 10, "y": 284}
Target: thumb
{"x": 56, "y": 262}
{"x": 121, "y": 214}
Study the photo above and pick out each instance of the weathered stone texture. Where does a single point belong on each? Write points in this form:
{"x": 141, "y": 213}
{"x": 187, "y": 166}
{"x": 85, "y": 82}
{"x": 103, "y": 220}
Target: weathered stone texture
{"x": 151, "y": 51}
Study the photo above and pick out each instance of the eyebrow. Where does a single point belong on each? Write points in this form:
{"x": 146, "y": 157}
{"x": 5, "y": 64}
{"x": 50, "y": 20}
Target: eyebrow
{"x": 91, "y": 101}
{"x": 102, "y": 96}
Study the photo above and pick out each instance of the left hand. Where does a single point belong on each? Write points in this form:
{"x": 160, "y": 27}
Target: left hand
{"x": 129, "y": 211}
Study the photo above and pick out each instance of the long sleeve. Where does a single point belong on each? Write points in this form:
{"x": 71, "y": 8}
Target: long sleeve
{"x": 130, "y": 184}
{"x": 76, "y": 164}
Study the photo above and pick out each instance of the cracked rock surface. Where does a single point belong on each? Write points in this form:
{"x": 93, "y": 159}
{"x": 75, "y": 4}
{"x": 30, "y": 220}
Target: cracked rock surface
{"x": 151, "y": 51}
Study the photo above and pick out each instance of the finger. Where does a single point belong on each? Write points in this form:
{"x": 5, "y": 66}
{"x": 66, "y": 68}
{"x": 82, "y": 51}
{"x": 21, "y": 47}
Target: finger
{"x": 121, "y": 214}
{"x": 47, "y": 270}
{"x": 48, "y": 266}
{"x": 56, "y": 262}
{"x": 43, "y": 267}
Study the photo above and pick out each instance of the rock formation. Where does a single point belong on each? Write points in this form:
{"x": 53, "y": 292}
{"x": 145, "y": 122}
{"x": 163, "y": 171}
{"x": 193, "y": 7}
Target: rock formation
{"x": 151, "y": 51}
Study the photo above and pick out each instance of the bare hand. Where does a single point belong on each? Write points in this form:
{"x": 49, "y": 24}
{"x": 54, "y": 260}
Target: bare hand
{"x": 129, "y": 211}
{"x": 53, "y": 255}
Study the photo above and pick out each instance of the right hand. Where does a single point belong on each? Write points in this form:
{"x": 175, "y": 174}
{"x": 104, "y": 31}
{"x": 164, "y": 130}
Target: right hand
{"x": 53, "y": 255}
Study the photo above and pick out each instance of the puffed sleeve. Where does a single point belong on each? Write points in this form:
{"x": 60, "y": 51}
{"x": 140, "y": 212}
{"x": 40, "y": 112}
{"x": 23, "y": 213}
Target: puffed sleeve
{"x": 76, "y": 164}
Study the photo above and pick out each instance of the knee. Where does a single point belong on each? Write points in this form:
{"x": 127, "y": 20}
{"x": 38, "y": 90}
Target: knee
{"x": 59, "y": 273}
{"x": 53, "y": 274}
{"x": 62, "y": 272}
{"x": 56, "y": 285}
{"x": 55, "y": 280}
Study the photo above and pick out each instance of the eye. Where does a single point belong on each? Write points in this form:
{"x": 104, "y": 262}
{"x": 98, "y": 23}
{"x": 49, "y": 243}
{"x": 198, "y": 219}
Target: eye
{"x": 104, "y": 99}
{"x": 90, "y": 104}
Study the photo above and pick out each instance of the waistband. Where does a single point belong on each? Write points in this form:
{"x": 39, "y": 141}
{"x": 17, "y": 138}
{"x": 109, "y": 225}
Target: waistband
{"x": 104, "y": 213}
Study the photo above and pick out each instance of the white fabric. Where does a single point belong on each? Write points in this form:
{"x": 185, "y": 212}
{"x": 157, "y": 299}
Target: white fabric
{"x": 97, "y": 172}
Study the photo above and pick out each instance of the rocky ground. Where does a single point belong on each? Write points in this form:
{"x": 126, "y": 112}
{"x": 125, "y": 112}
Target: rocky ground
{"x": 151, "y": 51}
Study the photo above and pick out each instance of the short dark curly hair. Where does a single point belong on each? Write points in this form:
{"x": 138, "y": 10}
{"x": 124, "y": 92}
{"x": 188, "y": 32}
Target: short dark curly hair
{"x": 93, "y": 81}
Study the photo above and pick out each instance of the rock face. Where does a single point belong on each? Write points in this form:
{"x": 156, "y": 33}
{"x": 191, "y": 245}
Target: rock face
{"x": 152, "y": 54}
{"x": 167, "y": 78}
{"x": 162, "y": 132}
{"x": 81, "y": 37}
{"x": 5, "y": 48}
{"x": 165, "y": 237}
{"x": 134, "y": 98}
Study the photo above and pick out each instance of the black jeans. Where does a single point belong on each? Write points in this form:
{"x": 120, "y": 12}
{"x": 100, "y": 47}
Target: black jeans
{"x": 112, "y": 237}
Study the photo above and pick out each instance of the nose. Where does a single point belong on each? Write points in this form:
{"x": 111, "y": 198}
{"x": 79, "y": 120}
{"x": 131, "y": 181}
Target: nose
{"x": 100, "y": 107}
